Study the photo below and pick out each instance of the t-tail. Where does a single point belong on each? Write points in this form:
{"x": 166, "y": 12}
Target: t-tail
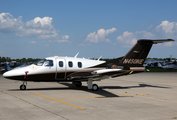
{"x": 138, "y": 54}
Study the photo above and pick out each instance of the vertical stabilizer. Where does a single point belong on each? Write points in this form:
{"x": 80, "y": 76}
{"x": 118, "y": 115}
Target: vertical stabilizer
{"x": 138, "y": 54}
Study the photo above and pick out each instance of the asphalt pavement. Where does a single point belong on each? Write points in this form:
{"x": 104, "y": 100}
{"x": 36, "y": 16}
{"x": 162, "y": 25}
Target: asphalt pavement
{"x": 144, "y": 96}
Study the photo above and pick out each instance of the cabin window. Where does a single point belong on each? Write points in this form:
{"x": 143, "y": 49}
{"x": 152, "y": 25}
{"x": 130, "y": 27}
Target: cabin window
{"x": 48, "y": 63}
{"x": 61, "y": 63}
{"x": 70, "y": 64}
{"x": 79, "y": 64}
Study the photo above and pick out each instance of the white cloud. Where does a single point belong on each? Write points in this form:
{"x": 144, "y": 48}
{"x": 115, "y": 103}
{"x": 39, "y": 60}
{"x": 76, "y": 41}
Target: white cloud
{"x": 130, "y": 38}
{"x": 82, "y": 44}
{"x": 144, "y": 34}
{"x": 169, "y": 44}
{"x": 8, "y": 24}
{"x": 150, "y": 26}
{"x": 65, "y": 37}
{"x": 41, "y": 28}
{"x": 43, "y": 21}
{"x": 32, "y": 42}
{"x": 167, "y": 29}
{"x": 100, "y": 36}
{"x": 61, "y": 41}
{"x": 127, "y": 37}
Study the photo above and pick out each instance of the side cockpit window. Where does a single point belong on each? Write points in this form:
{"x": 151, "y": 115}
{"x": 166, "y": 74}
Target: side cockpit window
{"x": 48, "y": 63}
{"x": 40, "y": 63}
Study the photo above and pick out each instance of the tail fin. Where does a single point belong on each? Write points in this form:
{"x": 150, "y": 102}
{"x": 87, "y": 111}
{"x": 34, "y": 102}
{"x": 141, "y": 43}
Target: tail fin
{"x": 159, "y": 65}
{"x": 7, "y": 68}
{"x": 137, "y": 55}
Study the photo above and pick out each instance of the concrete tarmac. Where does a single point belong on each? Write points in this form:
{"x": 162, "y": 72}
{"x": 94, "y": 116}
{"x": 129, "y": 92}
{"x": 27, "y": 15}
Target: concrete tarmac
{"x": 144, "y": 96}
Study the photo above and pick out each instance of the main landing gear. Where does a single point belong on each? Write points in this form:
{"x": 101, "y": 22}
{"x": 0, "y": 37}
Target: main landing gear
{"x": 23, "y": 86}
{"x": 94, "y": 87}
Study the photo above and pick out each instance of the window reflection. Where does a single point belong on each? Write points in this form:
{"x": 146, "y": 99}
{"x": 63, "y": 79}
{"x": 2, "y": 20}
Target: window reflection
{"x": 48, "y": 63}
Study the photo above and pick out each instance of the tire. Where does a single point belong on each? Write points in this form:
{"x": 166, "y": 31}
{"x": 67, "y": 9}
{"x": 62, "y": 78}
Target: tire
{"x": 94, "y": 87}
{"x": 22, "y": 87}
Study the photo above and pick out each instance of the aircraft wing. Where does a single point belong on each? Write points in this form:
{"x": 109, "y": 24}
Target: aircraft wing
{"x": 97, "y": 74}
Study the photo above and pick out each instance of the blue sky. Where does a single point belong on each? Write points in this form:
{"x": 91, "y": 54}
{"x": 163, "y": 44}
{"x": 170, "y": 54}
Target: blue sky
{"x": 42, "y": 28}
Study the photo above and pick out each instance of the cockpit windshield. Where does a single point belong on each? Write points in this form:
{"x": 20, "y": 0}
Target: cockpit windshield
{"x": 48, "y": 63}
{"x": 40, "y": 62}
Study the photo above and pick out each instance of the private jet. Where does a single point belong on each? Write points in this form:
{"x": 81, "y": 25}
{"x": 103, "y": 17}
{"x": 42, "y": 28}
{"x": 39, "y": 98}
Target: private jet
{"x": 78, "y": 70}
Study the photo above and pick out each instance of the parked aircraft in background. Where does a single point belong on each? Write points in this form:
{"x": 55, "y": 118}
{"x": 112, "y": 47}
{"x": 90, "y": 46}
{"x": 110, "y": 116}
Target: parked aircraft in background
{"x": 78, "y": 70}
{"x": 5, "y": 68}
{"x": 2, "y": 69}
{"x": 167, "y": 66}
{"x": 152, "y": 63}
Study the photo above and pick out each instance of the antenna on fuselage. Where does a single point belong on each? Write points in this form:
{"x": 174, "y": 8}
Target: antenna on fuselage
{"x": 99, "y": 58}
{"x": 76, "y": 55}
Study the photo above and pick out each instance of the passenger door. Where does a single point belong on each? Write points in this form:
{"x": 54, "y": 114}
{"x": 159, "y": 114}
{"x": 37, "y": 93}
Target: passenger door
{"x": 61, "y": 69}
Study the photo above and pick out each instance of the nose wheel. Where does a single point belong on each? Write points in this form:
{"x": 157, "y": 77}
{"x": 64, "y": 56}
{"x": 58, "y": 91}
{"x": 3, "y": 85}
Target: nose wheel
{"x": 23, "y": 86}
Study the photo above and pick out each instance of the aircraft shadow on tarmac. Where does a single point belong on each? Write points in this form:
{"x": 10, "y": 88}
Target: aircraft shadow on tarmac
{"x": 101, "y": 90}
{"x": 140, "y": 85}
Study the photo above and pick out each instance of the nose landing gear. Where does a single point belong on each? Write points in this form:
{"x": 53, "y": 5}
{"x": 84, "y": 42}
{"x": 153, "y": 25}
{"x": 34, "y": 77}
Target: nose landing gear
{"x": 23, "y": 86}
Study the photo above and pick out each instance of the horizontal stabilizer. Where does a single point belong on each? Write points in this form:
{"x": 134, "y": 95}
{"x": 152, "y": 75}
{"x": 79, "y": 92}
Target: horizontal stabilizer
{"x": 154, "y": 41}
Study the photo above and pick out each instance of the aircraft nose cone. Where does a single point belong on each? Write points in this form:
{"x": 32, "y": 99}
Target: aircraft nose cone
{"x": 16, "y": 74}
{"x": 7, "y": 74}
{"x": 13, "y": 75}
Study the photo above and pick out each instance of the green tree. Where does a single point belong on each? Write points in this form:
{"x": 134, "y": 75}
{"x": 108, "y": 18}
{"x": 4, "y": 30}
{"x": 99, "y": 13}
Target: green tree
{"x": 8, "y": 59}
{"x": 30, "y": 60}
{"x": 3, "y": 59}
{"x": 17, "y": 60}
{"x": 23, "y": 60}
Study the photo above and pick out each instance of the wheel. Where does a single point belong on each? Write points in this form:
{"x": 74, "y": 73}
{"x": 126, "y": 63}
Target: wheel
{"x": 94, "y": 87}
{"x": 22, "y": 87}
{"x": 78, "y": 83}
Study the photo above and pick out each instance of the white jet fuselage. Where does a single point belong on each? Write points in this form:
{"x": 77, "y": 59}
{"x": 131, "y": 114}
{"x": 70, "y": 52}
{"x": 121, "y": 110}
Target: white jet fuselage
{"x": 53, "y": 69}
